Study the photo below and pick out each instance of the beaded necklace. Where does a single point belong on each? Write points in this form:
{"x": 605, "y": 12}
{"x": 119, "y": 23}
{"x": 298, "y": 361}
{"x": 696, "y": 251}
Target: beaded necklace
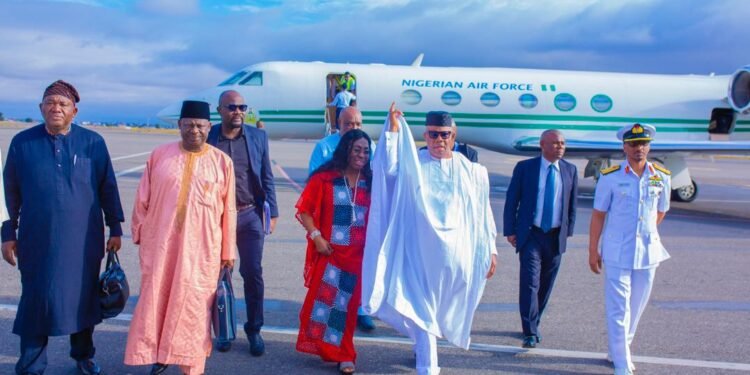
{"x": 349, "y": 195}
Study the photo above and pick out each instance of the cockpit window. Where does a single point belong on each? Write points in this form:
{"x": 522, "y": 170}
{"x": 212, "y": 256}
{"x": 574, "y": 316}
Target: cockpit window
{"x": 234, "y": 78}
{"x": 254, "y": 79}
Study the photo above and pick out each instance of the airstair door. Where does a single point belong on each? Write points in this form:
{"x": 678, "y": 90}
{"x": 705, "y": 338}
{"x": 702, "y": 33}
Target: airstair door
{"x": 336, "y": 82}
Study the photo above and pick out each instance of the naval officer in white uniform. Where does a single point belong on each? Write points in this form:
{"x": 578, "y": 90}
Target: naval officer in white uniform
{"x": 633, "y": 197}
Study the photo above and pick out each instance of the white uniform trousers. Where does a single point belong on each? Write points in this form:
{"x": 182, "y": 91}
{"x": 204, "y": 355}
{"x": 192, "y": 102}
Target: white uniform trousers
{"x": 626, "y": 294}
{"x": 425, "y": 343}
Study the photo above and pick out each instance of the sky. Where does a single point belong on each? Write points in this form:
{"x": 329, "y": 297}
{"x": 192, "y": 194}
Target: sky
{"x": 131, "y": 58}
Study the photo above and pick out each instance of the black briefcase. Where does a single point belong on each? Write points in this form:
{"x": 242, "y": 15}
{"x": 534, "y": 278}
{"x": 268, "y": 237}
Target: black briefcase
{"x": 113, "y": 287}
{"x": 222, "y": 317}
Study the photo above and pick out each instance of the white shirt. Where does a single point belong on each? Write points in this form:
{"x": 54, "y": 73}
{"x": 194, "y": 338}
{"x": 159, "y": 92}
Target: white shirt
{"x": 557, "y": 208}
{"x": 342, "y": 99}
{"x": 631, "y": 239}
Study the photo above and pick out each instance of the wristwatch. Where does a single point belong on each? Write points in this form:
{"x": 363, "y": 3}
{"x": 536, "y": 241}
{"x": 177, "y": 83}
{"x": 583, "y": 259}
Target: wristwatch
{"x": 313, "y": 234}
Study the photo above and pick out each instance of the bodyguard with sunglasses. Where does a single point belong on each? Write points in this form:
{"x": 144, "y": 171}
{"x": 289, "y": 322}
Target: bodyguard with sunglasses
{"x": 248, "y": 148}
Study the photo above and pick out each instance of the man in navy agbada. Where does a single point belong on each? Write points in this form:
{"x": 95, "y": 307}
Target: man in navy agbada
{"x": 58, "y": 182}
{"x": 257, "y": 210}
{"x": 539, "y": 215}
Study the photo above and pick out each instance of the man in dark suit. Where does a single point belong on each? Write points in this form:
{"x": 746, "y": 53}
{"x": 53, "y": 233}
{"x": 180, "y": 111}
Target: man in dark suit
{"x": 539, "y": 215}
{"x": 256, "y": 204}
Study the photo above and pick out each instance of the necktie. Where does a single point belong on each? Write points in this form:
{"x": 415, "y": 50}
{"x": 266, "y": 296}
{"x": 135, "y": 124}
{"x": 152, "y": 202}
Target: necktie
{"x": 549, "y": 198}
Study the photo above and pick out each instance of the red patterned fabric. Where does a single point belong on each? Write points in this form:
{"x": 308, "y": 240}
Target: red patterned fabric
{"x": 329, "y": 314}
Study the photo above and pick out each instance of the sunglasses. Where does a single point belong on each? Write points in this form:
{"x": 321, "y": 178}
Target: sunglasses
{"x": 234, "y": 107}
{"x": 435, "y": 134}
{"x": 636, "y": 144}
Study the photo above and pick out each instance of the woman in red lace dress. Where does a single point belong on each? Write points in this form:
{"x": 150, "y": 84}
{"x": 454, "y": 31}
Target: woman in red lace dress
{"x": 333, "y": 209}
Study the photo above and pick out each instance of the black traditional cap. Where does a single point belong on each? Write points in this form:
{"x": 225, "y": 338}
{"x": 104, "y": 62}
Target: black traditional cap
{"x": 195, "y": 109}
{"x": 636, "y": 132}
{"x": 438, "y": 118}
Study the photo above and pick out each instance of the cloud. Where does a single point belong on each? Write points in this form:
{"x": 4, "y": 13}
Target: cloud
{"x": 105, "y": 69}
{"x": 244, "y": 8}
{"x": 82, "y": 2}
{"x": 36, "y": 50}
{"x": 170, "y": 7}
{"x": 375, "y": 4}
{"x": 142, "y": 54}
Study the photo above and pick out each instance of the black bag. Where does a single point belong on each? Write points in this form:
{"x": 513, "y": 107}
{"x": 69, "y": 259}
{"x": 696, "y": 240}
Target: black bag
{"x": 223, "y": 311}
{"x": 113, "y": 287}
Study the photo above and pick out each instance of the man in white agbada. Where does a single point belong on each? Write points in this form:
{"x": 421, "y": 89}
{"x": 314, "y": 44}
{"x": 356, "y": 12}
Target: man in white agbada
{"x": 430, "y": 237}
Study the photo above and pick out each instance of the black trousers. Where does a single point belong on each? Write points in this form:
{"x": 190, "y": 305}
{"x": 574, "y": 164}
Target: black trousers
{"x": 250, "y": 239}
{"x": 33, "y": 358}
{"x": 540, "y": 260}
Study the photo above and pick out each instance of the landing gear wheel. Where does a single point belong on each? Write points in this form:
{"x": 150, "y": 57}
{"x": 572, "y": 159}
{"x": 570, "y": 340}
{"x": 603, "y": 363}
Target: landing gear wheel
{"x": 686, "y": 193}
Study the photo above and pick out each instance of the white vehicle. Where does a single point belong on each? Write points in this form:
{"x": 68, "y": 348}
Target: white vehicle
{"x": 506, "y": 110}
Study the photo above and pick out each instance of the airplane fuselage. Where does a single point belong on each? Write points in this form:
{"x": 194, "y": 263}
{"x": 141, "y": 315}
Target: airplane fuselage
{"x": 492, "y": 107}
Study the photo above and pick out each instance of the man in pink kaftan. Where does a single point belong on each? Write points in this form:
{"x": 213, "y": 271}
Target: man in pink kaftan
{"x": 184, "y": 220}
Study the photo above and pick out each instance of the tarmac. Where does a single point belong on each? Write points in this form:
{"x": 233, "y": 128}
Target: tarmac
{"x": 697, "y": 322}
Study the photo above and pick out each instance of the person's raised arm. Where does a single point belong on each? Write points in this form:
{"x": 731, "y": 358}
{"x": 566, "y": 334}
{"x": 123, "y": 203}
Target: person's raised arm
{"x": 393, "y": 115}
{"x": 391, "y": 140}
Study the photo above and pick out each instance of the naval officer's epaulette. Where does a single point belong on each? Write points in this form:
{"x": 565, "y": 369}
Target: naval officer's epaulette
{"x": 609, "y": 170}
{"x": 662, "y": 169}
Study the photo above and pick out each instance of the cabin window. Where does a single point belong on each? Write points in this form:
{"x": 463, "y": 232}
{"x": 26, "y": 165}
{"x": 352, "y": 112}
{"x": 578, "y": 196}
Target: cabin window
{"x": 234, "y": 78}
{"x": 528, "y": 101}
{"x": 565, "y": 102}
{"x": 411, "y": 97}
{"x": 490, "y": 99}
{"x": 451, "y": 98}
{"x": 255, "y": 79}
{"x": 601, "y": 103}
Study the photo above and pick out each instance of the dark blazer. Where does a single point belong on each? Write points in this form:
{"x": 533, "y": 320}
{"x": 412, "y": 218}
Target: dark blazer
{"x": 260, "y": 164}
{"x": 468, "y": 151}
{"x": 520, "y": 201}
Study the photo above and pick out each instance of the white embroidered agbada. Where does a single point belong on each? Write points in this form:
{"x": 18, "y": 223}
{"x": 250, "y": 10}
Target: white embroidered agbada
{"x": 430, "y": 239}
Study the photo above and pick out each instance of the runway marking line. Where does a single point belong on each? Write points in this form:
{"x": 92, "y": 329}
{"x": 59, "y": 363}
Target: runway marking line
{"x": 492, "y": 348}
{"x": 131, "y": 156}
{"x": 130, "y": 170}
{"x": 283, "y": 173}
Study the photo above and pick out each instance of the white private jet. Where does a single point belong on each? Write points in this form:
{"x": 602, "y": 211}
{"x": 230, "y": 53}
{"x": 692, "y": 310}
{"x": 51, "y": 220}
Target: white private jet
{"x": 505, "y": 110}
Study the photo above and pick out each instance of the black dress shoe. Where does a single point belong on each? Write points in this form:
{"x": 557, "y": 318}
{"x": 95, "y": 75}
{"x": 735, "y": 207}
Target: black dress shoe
{"x": 257, "y": 346}
{"x": 529, "y": 342}
{"x": 88, "y": 367}
{"x": 223, "y": 346}
{"x": 158, "y": 368}
{"x": 365, "y": 323}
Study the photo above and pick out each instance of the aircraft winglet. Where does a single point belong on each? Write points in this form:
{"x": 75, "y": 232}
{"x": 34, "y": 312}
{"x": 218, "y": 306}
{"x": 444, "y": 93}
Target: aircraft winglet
{"x": 418, "y": 60}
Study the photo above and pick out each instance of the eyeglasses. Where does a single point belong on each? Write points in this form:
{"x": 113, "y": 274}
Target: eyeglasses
{"x": 434, "y": 134}
{"x": 234, "y": 107}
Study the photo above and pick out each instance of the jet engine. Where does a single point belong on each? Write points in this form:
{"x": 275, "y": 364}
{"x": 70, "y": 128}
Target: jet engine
{"x": 739, "y": 90}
